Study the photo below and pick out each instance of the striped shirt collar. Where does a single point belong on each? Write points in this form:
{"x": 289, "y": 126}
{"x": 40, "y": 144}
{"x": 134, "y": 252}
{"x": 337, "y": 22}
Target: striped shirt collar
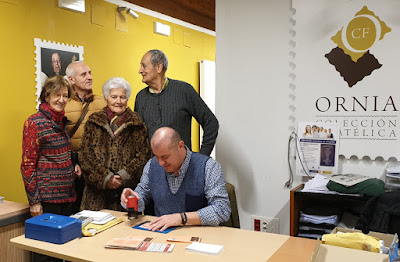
{"x": 185, "y": 164}
{"x": 174, "y": 181}
{"x": 151, "y": 90}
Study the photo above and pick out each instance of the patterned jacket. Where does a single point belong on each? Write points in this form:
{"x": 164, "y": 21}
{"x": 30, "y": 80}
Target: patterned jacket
{"x": 46, "y": 165}
{"x": 103, "y": 154}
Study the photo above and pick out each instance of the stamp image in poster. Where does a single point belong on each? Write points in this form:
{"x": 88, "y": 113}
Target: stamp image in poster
{"x": 327, "y": 155}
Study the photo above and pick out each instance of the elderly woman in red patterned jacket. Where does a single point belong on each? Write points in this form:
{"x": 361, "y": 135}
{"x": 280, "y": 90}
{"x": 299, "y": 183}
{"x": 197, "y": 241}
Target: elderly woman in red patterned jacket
{"x": 46, "y": 166}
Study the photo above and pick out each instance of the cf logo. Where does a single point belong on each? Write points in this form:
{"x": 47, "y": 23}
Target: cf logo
{"x": 361, "y": 33}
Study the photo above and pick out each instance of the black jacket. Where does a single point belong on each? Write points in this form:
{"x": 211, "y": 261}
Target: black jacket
{"x": 381, "y": 214}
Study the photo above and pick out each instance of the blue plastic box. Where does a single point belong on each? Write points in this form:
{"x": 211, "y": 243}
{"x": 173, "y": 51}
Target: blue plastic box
{"x": 53, "y": 228}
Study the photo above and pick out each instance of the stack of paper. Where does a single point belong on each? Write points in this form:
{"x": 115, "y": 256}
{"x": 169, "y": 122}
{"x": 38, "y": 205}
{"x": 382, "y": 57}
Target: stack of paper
{"x": 308, "y": 227}
{"x": 205, "y": 248}
{"x": 314, "y": 222}
{"x": 156, "y": 247}
{"x": 99, "y": 218}
{"x": 333, "y": 219}
{"x": 317, "y": 185}
{"x": 92, "y": 229}
{"x": 141, "y": 243}
{"x": 130, "y": 243}
{"x": 392, "y": 177}
{"x": 393, "y": 170}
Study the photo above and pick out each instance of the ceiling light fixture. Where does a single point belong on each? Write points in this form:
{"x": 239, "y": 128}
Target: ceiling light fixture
{"x": 129, "y": 11}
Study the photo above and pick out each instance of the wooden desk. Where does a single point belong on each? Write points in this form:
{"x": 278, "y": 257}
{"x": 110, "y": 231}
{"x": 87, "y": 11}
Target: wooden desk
{"x": 295, "y": 249}
{"x": 239, "y": 245}
{"x": 12, "y": 224}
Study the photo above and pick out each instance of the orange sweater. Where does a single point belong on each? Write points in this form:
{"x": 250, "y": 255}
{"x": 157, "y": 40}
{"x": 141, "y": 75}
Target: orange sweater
{"x": 73, "y": 112}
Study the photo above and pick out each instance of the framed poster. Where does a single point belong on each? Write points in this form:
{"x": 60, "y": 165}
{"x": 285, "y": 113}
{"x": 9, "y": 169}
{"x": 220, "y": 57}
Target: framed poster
{"x": 52, "y": 59}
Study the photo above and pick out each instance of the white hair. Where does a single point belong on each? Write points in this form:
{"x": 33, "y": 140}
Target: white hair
{"x": 116, "y": 82}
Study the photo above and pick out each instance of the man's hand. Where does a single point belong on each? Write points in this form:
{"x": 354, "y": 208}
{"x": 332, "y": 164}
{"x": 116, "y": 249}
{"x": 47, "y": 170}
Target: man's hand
{"x": 127, "y": 192}
{"x": 165, "y": 221}
{"x": 36, "y": 209}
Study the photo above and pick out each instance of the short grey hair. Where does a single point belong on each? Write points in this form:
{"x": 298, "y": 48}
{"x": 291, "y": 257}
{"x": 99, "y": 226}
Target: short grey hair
{"x": 70, "y": 71}
{"x": 157, "y": 56}
{"x": 165, "y": 135}
{"x": 116, "y": 82}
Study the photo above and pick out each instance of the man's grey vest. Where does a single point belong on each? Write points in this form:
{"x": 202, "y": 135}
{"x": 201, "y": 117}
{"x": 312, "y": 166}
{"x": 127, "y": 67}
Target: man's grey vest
{"x": 189, "y": 197}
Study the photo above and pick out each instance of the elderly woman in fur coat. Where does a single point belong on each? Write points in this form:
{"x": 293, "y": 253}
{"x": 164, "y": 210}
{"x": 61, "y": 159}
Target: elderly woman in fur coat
{"x": 115, "y": 148}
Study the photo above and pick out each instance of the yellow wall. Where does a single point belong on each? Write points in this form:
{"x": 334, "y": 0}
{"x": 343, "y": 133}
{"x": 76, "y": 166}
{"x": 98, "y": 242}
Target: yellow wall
{"x": 107, "y": 51}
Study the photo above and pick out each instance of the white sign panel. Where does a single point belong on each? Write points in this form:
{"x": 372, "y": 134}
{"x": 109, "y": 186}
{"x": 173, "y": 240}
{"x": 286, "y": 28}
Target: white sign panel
{"x": 346, "y": 57}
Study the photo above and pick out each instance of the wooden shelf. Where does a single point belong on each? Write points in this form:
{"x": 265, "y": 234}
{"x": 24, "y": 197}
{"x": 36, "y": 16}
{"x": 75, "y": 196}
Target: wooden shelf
{"x": 300, "y": 200}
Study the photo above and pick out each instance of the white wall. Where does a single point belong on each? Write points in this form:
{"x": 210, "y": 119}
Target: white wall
{"x": 252, "y": 98}
{"x": 252, "y": 104}
{"x": 207, "y": 91}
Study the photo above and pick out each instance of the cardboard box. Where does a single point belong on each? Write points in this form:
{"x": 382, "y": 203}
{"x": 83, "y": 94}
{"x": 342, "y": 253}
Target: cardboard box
{"x": 387, "y": 238}
{"x": 327, "y": 253}
{"x": 53, "y": 228}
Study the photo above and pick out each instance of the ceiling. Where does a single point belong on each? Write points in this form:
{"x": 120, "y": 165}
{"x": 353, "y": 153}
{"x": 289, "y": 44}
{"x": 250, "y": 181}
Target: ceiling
{"x": 196, "y": 12}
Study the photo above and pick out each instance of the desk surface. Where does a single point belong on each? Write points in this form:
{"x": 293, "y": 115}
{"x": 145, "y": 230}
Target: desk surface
{"x": 10, "y": 209}
{"x": 303, "y": 249}
{"x": 239, "y": 245}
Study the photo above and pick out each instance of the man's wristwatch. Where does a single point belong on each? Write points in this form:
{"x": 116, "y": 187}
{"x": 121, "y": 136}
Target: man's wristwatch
{"x": 184, "y": 218}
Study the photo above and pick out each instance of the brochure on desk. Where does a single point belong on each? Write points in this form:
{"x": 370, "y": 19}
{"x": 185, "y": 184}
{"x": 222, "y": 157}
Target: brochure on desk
{"x": 318, "y": 148}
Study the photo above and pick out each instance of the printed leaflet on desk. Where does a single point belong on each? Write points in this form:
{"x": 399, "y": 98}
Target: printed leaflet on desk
{"x": 205, "y": 248}
{"x": 130, "y": 242}
{"x": 141, "y": 243}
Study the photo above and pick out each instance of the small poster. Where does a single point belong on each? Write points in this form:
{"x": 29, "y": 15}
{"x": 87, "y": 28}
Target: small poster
{"x": 318, "y": 148}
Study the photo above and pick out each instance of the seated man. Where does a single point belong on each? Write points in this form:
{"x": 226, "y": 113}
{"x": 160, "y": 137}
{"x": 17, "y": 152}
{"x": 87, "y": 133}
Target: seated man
{"x": 186, "y": 187}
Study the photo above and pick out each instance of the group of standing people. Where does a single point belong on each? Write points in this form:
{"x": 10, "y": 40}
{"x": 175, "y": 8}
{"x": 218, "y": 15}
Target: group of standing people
{"x": 317, "y": 132}
{"x": 78, "y": 141}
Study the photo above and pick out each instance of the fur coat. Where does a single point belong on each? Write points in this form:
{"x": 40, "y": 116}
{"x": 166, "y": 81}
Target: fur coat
{"x": 104, "y": 154}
